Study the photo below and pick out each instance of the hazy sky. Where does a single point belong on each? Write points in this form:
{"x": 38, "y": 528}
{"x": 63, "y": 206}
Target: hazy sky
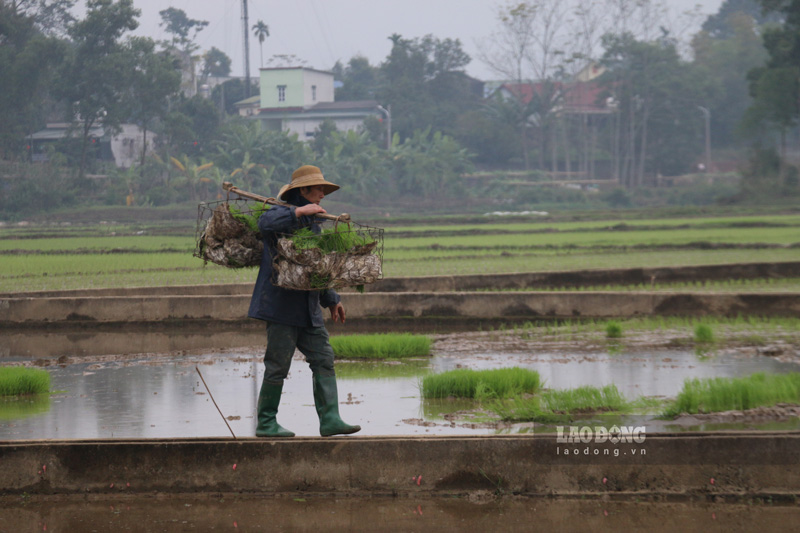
{"x": 324, "y": 31}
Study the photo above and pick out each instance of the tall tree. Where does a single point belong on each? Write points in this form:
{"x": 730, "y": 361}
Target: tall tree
{"x": 360, "y": 80}
{"x": 776, "y": 86}
{"x": 153, "y": 81}
{"x": 183, "y": 32}
{"x": 720, "y": 26}
{"x": 27, "y": 61}
{"x": 657, "y": 94}
{"x": 178, "y": 24}
{"x": 51, "y": 16}
{"x": 216, "y": 63}
{"x": 724, "y": 52}
{"x": 261, "y": 32}
{"x": 419, "y": 75}
{"x": 95, "y": 75}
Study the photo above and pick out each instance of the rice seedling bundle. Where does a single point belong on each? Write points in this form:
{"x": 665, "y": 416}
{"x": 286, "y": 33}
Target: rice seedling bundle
{"x": 561, "y": 405}
{"x": 613, "y": 329}
{"x": 345, "y": 255}
{"x": 703, "y": 333}
{"x": 16, "y": 381}
{"x": 229, "y": 235}
{"x": 726, "y": 394}
{"x": 381, "y": 346}
{"x": 464, "y": 383}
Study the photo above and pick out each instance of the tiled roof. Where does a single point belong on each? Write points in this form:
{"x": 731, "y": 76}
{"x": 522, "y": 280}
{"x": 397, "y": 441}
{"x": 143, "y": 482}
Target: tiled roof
{"x": 578, "y": 97}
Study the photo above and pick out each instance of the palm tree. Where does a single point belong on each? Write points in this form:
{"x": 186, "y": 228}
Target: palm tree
{"x": 261, "y": 31}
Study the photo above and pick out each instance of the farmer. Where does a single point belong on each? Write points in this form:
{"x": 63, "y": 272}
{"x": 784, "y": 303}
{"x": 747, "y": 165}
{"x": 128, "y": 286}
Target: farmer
{"x": 294, "y": 318}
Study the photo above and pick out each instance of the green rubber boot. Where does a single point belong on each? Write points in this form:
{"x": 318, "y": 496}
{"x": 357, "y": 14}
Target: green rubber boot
{"x": 326, "y": 399}
{"x": 268, "y": 401}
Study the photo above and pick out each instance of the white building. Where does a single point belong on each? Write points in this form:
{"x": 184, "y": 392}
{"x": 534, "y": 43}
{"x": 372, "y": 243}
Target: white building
{"x": 298, "y": 99}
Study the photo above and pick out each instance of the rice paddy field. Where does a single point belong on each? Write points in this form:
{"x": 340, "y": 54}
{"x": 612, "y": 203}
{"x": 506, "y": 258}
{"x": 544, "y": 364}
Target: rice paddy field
{"x": 58, "y": 256}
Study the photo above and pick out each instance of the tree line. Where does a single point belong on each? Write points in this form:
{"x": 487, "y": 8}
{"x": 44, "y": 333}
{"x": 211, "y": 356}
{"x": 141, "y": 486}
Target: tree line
{"x": 657, "y": 91}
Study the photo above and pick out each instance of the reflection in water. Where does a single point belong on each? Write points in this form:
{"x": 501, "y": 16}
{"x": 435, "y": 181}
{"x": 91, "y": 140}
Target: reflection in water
{"x": 16, "y": 407}
{"x": 383, "y": 369}
{"x": 164, "y": 397}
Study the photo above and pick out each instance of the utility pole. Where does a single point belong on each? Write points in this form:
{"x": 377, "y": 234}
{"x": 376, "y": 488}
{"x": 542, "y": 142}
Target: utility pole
{"x": 245, "y": 31}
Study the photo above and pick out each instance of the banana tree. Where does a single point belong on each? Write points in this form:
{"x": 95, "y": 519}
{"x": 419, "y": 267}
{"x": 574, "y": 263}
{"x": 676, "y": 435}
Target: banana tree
{"x": 253, "y": 174}
{"x": 193, "y": 175}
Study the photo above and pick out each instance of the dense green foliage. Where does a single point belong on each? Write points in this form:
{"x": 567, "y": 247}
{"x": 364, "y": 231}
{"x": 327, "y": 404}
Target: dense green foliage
{"x": 726, "y": 394}
{"x": 17, "y": 380}
{"x": 465, "y": 383}
{"x": 381, "y": 346}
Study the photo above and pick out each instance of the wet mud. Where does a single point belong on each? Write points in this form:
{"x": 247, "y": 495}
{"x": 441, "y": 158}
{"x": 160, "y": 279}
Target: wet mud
{"x": 473, "y": 511}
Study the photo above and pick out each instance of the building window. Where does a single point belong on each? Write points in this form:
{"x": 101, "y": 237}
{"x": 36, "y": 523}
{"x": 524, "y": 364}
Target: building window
{"x": 314, "y": 93}
{"x": 281, "y": 93}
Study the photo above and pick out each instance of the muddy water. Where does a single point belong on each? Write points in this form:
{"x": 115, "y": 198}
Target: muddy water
{"x": 476, "y": 512}
{"x": 164, "y": 396}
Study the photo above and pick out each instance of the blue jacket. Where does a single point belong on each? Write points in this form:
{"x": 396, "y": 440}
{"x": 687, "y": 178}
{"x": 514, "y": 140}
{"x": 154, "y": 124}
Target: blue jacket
{"x": 284, "y": 306}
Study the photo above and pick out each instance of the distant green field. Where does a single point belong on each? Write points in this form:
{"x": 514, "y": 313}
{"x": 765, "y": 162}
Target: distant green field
{"x": 52, "y": 258}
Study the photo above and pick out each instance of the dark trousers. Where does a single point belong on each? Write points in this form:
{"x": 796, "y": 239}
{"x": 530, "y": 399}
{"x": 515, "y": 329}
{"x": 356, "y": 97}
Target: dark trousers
{"x": 281, "y": 343}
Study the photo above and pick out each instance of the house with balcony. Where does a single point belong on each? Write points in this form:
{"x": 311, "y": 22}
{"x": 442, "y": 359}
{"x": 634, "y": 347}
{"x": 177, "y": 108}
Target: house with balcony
{"x": 298, "y": 99}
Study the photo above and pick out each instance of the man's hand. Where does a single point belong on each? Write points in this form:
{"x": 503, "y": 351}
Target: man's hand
{"x": 337, "y": 312}
{"x": 309, "y": 209}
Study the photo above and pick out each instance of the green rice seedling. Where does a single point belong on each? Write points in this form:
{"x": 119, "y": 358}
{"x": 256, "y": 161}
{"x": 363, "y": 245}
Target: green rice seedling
{"x": 337, "y": 239}
{"x": 703, "y": 333}
{"x": 561, "y": 405}
{"x": 613, "y": 329}
{"x": 713, "y": 395}
{"x": 249, "y": 218}
{"x": 17, "y": 380}
{"x": 381, "y": 346}
{"x": 496, "y": 383}
{"x": 583, "y": 399}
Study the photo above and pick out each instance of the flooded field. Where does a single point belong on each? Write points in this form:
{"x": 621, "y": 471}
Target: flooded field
{"x": 162, "y": 395}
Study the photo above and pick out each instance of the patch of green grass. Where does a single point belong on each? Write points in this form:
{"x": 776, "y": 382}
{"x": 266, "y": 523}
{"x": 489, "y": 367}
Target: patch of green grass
{"x": 480, "y": 384}
{"x": 381, "y": 346}
{"x": 713, "y": 395}
{"x": 613, "y": 329}
{"x": 17, "y": 380}
{"x": 561, "y": 405}
{"x": 703, "y": 333}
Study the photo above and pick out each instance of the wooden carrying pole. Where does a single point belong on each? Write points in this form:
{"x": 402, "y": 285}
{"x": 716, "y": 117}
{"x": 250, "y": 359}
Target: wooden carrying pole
{"x": 230, "y": 187}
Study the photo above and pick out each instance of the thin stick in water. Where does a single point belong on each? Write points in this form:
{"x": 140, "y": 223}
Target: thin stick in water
{"x": 215, "y": 403}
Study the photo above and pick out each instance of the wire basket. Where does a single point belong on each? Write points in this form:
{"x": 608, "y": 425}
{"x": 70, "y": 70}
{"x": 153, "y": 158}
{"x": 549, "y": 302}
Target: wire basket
{"x": 339, "y": 255}
{"x": 227, "y": 233}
